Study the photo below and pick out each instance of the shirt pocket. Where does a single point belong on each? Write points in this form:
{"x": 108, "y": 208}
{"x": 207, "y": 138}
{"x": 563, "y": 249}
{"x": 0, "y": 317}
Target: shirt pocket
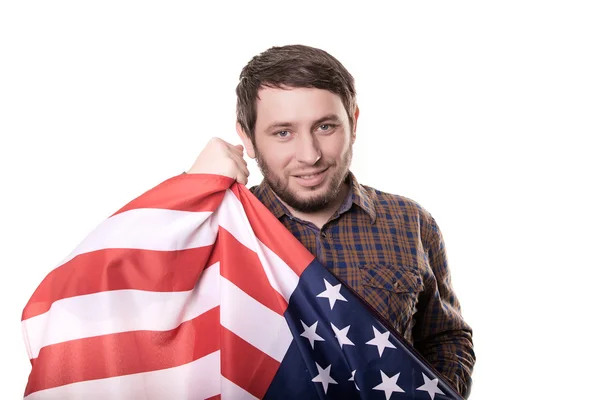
{"x": 393, "y": 291}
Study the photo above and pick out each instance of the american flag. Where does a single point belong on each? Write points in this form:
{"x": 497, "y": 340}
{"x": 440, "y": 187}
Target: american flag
{"x": 194, "y": 290}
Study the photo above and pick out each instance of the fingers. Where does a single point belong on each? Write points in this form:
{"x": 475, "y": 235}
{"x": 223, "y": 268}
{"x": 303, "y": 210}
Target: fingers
{"x": 222, "y": 158}
{"x": 242, "y": 171}
{"x": 237, "y": 155}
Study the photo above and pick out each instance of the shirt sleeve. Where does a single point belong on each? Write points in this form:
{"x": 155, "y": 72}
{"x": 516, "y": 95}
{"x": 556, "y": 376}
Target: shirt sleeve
{"x": 441, "y": 334}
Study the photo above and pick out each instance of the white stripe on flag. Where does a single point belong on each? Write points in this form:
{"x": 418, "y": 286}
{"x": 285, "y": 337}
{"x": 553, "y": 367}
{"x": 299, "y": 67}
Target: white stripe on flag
{"x": 199, "y": 379}
{"x": 233, "y": 219}
{"x": 230, "y": 390}
{"x": 150, "y": 229}
{"x": 258, "y": 325}
{"x": 120, "y": 311}
{"x": 281, "y": 277}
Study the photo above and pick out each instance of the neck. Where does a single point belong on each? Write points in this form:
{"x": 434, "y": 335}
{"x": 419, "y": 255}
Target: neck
{"x": 320, "y": 218}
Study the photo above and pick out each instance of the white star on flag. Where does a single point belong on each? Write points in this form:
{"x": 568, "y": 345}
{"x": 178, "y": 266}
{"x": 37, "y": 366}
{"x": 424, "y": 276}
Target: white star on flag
{"x": 310, "y": 332}
{"x": 381, "y": 341}
{"x": 332, "y": 293}
{"x": 342, "y": 335}
{"x": 430, "y": 386}
{"x": 388, "y": 385}
{"x": 323, "y": 377}
{"x": 352, "y": 379}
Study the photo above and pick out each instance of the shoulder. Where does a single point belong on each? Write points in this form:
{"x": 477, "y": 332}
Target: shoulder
{"x": 401, "y": 210}
{"x": 389, "y": 202}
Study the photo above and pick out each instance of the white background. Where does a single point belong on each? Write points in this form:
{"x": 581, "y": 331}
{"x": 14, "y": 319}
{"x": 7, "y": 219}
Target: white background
{"x": 486, "y": 114}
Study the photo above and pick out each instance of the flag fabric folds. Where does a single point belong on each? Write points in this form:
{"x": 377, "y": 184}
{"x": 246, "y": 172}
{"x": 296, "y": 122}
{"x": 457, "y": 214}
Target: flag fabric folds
{"x": 194, "y": 290}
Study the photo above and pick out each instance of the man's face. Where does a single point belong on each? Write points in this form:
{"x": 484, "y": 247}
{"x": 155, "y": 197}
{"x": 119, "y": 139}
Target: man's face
{"x": 303, "y": 145}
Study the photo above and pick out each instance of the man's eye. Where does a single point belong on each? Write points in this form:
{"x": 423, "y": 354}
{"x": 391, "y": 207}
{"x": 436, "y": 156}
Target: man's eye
{"x": 283, "y": 134}
{"x": 326, "y": 127}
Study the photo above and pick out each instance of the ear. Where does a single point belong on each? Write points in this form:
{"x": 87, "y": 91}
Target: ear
{"x": 245, "y": 140}
{"x": 356, "y": 113}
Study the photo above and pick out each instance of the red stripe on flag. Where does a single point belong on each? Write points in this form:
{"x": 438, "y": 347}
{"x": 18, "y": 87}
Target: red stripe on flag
{"x": 272, "y": 232}
{"x": 245, "y": 365}
{"x": 186, "y": 192}
{"x": 116, "y": 269}
{"x": 124, "y": 353}
{"x": 242, "y": 267}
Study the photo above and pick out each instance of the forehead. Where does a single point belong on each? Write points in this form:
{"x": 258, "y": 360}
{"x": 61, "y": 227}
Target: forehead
{"x": 296, "y": 105}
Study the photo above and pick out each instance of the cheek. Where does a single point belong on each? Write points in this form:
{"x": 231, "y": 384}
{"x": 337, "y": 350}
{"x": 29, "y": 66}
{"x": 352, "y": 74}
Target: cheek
{"x": 278, "y": 161}
{"x": 336, "y": 147}
{"x": 275, "y": 156}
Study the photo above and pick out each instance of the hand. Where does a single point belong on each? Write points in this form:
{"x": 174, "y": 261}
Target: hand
{"x": 222, "y": 158}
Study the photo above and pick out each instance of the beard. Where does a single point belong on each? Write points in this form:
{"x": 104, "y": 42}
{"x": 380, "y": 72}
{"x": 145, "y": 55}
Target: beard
{"x": 280, "y": 185}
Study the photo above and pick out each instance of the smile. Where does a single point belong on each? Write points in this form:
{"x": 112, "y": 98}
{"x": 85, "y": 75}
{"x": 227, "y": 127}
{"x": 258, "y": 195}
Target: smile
{"x": 312, "y": 179}
{"x": 309, "y": 176}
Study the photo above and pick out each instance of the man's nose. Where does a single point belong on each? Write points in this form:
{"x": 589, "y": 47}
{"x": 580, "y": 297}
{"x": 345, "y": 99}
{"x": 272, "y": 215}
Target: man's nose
{"x": 308, "y": 150}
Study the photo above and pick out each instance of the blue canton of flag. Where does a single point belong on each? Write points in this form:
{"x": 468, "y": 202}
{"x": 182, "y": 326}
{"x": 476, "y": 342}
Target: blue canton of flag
{"x": 341, "y": 351}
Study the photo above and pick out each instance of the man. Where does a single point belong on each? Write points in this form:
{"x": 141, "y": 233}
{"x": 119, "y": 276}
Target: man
{"x": 297, "y": 117}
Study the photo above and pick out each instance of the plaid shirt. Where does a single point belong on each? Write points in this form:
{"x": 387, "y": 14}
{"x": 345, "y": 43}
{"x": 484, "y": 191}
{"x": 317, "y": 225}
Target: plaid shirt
{"x": 391, "y": 252}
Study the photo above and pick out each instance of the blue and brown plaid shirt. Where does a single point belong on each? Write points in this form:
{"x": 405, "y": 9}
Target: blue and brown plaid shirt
{"x": 391, "y": 252}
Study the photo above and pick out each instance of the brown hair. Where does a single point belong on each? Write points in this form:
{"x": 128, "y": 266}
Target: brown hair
{"x": 295, "y": 66}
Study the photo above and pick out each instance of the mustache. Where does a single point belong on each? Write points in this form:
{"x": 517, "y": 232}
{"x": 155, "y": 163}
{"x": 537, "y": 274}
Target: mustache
{"x": 320, "y": 166}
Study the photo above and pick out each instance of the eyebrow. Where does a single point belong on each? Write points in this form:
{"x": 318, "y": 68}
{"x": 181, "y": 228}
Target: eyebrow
{"x": 329, "y": 117}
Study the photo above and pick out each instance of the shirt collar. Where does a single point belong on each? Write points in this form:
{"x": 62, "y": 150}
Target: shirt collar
{"x": 361, "y": 197}
{"x": 357, "y": 195}
{"x": 268, "y": 198}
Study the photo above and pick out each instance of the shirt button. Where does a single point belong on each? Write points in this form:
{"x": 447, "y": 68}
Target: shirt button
{"x": 396, "y": 284}
{"x": 324, "y": 234}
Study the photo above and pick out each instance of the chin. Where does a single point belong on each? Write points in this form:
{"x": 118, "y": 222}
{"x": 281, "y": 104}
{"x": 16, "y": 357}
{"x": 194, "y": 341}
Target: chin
{"x": 318, "y": 192}
{"x": 305, "y": 196}
{"x": 308, "y": 192}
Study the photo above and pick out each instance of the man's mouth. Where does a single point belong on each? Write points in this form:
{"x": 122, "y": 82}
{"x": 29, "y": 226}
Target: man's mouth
{"x": 310, "y": 175}
{"x": 311, "y": 178}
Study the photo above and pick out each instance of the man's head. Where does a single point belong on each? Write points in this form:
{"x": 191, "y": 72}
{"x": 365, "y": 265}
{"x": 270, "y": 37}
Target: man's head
{"x": 296, "y": 114}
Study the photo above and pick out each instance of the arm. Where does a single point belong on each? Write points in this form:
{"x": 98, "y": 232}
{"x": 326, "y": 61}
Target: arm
{"x": 441, "y": 334}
